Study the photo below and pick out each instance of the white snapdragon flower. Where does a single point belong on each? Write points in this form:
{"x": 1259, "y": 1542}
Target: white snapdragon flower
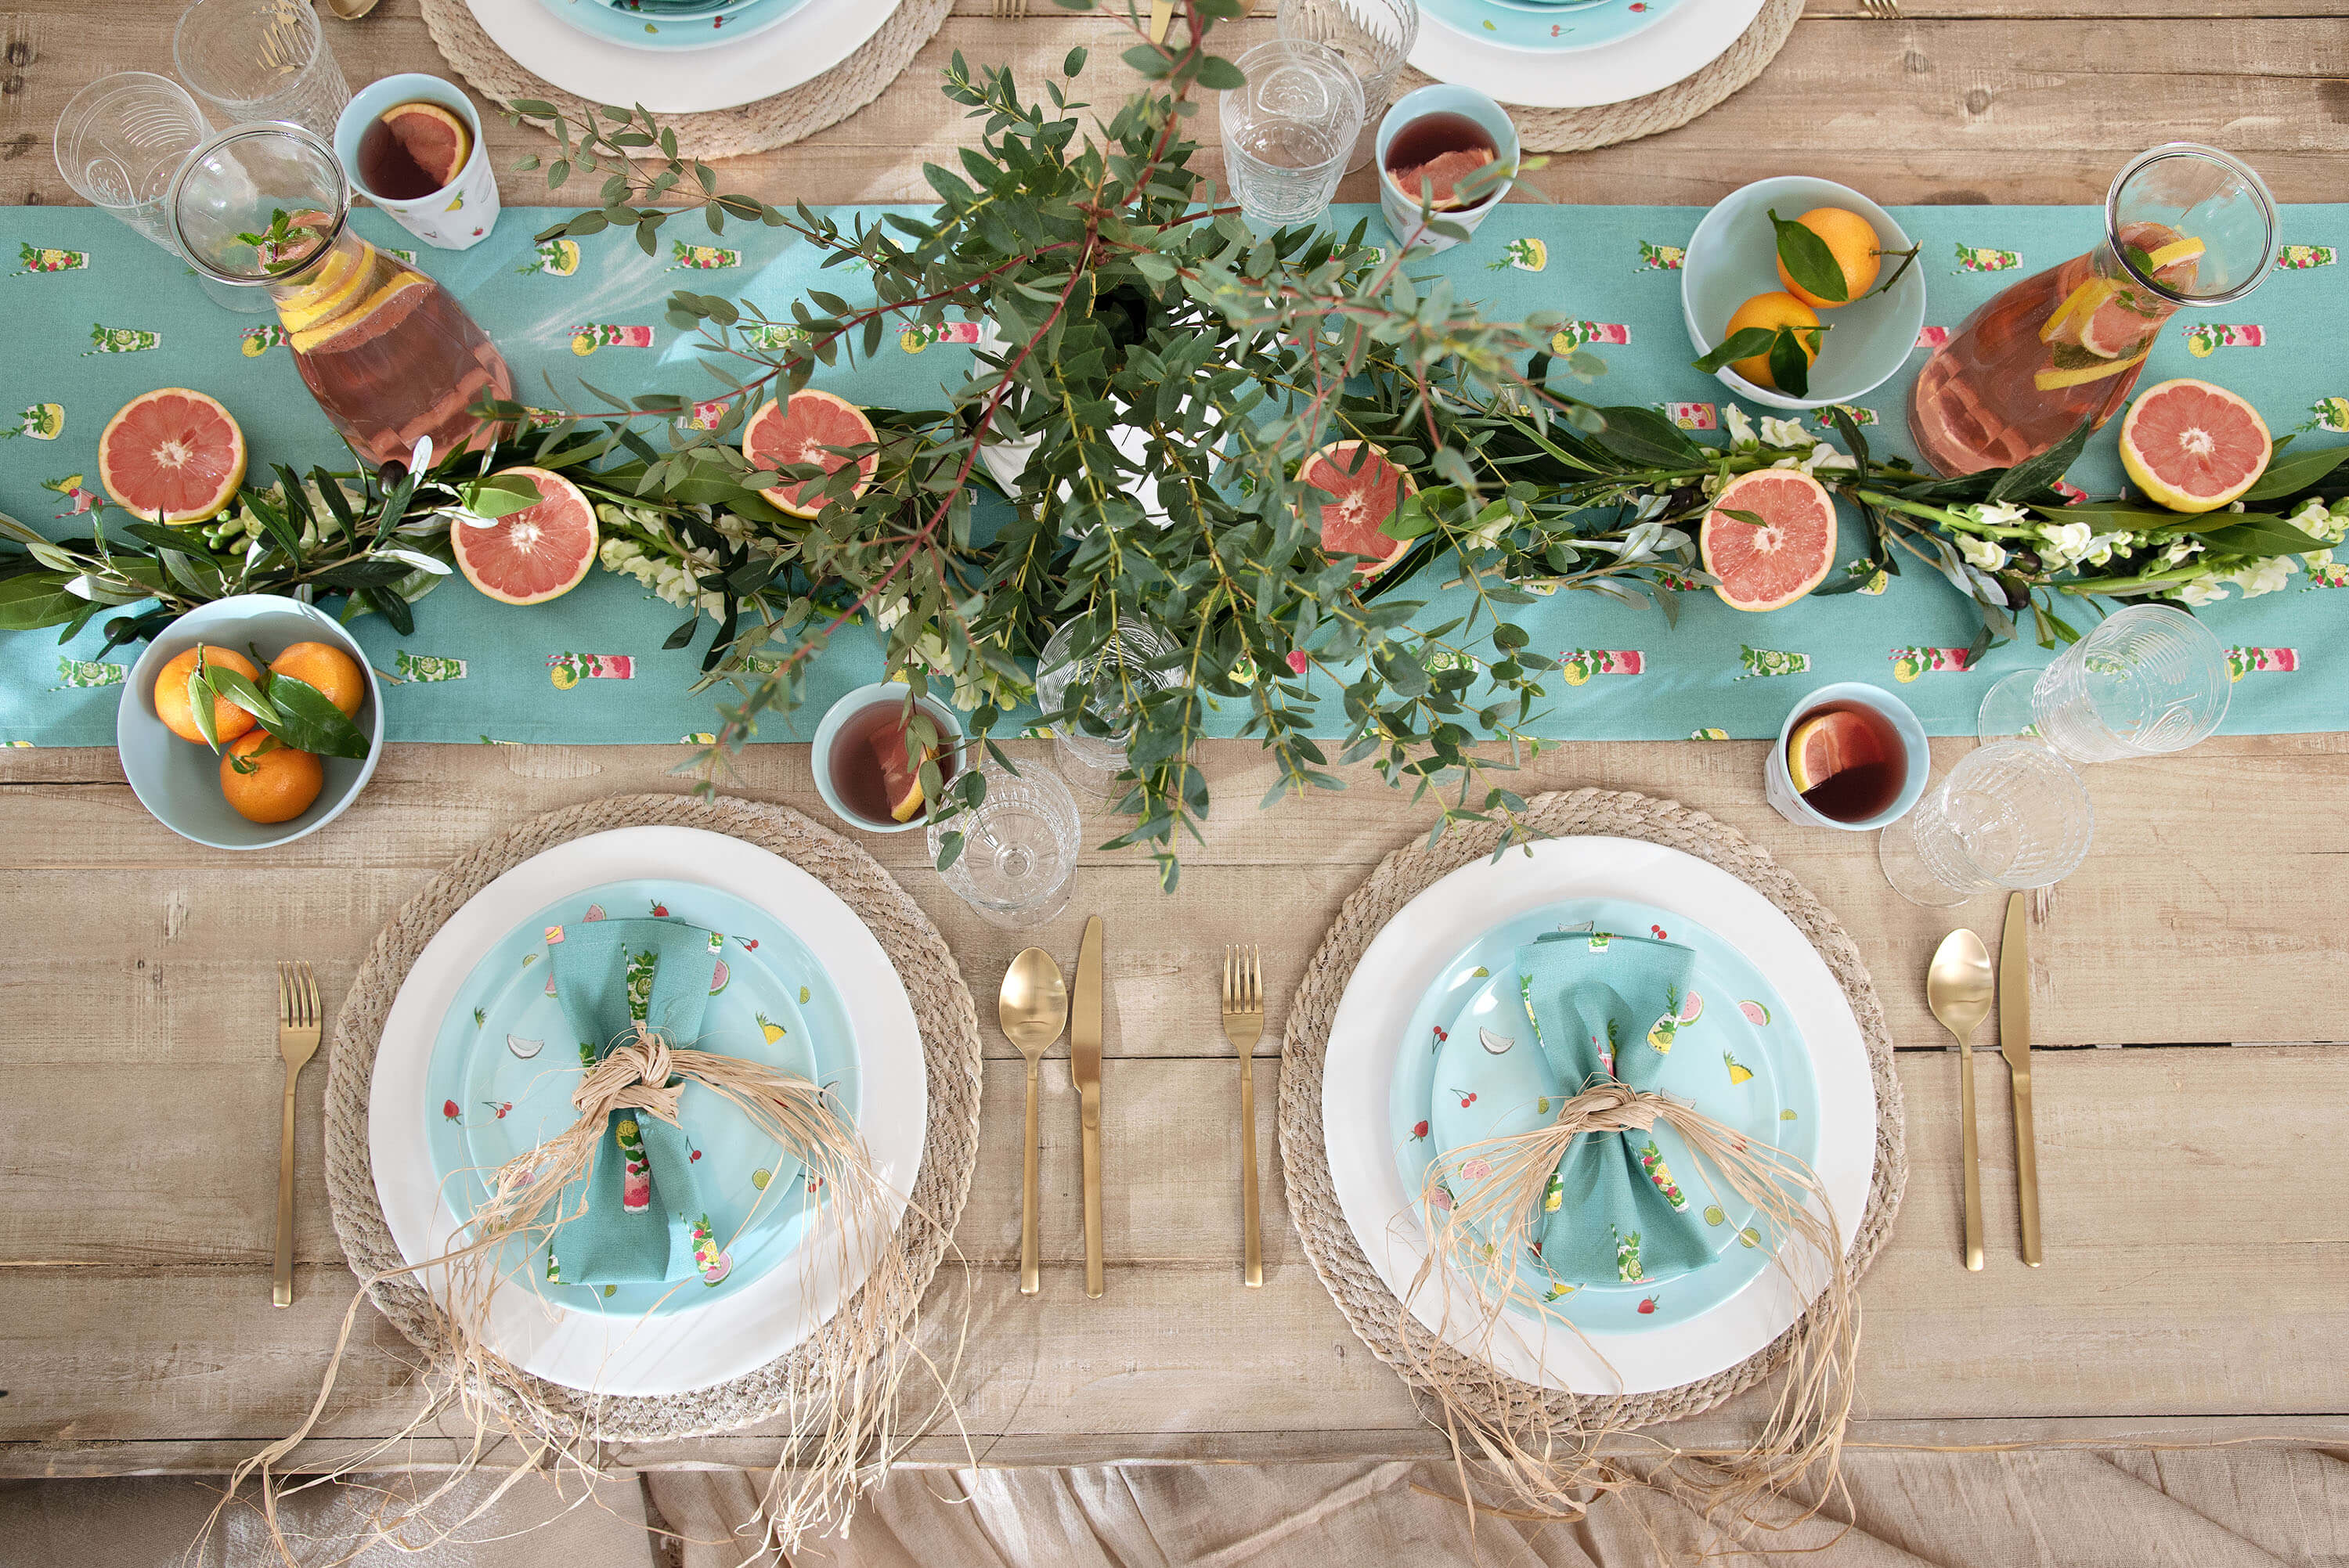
{"x": 2316, "y": 559}
{"x": 2065, "y": 543}
{"x": 2179, "y": 549}
{"x": 2315, "y": 520}
{"x": 2268, "y": 577}
{"x": 2201, "y": 591}
{"x": 2101, "y": 548}
{"x": 1741, "y": 429}
{"x": 1986, "y": 553}
{"x": 2004, "y": 514}
{"x": 1784, "y": 433}
{"x": 1825, "y": 457}
{"x": 1711, "y": 485}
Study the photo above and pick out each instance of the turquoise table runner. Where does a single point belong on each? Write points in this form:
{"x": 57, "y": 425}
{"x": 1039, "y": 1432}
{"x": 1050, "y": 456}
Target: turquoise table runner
{"x": 1626, "y": 675}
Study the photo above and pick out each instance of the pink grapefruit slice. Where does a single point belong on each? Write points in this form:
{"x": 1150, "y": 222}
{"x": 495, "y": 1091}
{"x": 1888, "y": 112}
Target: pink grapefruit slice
{"x": 805, "y": 431}
{"x": 1769, "y": 566}
{"x": 530, "y": 556}
{"x": 1361, "y": 487}
{"x": 438, "y": 141}
{"x": 173, "y": 454}
{"x": 2193, "y": 446}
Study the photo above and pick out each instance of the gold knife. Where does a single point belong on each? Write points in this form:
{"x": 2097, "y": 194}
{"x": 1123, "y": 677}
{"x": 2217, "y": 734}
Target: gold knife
{"x": 1084, "y": 1071}
{"x": 2014, "y": 1044}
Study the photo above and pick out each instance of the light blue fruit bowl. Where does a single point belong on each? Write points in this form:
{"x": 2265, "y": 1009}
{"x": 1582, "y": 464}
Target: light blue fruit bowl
{"x": 1734, "y": 255}
{"x": 178, "y": 781}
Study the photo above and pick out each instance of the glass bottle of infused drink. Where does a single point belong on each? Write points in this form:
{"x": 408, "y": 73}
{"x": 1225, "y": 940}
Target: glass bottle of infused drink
{"x": 388, "y": 353}
{"x": 2184, "y": 225}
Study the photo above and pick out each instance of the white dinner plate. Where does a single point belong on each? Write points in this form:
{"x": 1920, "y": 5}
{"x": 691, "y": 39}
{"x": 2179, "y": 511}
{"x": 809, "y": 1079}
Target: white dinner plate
{"x": 731, "y": 1334}
{"x": 816, "y": 37}
{"x": 1692, "y": 38}
{"x": 1415, "y": 949}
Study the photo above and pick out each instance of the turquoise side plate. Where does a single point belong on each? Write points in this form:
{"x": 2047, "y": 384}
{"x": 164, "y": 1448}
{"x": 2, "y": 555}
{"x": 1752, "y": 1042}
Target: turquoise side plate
{"x": 503, "y": 1068}
{"x": 1778, "y": 1103}
{"x": 1548, "y": 29}
{"x": 650, "y": 29}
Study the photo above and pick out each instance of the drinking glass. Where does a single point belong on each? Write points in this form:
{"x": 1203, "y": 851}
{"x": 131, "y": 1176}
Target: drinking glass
{"x": 1019, "y": 853}
{"x": 2184, "y": 225}
{"x": 1289, "y": 129}
{"x": 118, "y": 143}
{"x": 1102, "y": 685}
{"x": 2152, "y": 679}
{"x": 391, "y": 356}
{"x": 2013, "y": 815}
{"x": 1374, "y": 38}
{"x": 260, "y": 59}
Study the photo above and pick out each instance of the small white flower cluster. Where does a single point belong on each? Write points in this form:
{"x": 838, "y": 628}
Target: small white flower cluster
{"x": 642, "y": 545}
{"x": 1806, "y": 451}
{"x": 2271, "y": 573}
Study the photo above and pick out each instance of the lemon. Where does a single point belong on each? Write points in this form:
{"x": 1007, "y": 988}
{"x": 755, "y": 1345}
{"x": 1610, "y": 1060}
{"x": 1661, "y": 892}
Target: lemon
{"x": 2176, "y": 251}
{"x": 349, "y": 320}
{"x": 2055, "y": 380}
{"x": 332, "y": 293}
{"x": 2082, "y": 304}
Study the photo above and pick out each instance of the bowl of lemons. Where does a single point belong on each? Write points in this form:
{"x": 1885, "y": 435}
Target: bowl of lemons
{"x": 1799, "y": 293}
{"x": 250, "y": 722}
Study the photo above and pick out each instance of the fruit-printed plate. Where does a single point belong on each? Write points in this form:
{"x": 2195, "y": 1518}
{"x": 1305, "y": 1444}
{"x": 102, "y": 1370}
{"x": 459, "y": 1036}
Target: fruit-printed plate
{"x": 651, "y": 29}
{"x": 1368, "y": 1049}
{"x": 816, "y": 36}
{"x": 1537, "y": 28}
{"x": 605, "y": 1351}
{"x": 504, "y": 1066}
{"x": 1736, "y": 1059}
{"x": 1686, "y": 38}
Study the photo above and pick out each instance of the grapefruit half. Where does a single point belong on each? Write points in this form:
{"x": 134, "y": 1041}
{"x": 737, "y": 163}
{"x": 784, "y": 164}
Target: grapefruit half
{"x": 1769, "y": 566}
{"x": 781, "y": 435}
{"x": 530, "y": 556}
{"x": 1360, "y": 488}
{"x": 173, "y": 453}
{"x": 2193, "y": 446}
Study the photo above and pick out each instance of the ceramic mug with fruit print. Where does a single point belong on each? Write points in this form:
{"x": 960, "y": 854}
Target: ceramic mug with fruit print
{"x": 398, "y": 136}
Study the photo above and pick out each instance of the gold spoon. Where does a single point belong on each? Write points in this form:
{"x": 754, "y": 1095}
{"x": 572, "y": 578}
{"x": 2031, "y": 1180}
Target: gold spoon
{"x": 350, "y": 10}
{"x": 1959, "y": 988}
{"x": 1033, "y": 1006}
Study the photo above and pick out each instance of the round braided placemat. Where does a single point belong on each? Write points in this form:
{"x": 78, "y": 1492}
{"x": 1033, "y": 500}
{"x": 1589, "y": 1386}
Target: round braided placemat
{"x": 1370, "y": 1307}
{"x": 790, "y": 114}
{"x": 1666, "y": 109}
{"x": 942, "y": 1006}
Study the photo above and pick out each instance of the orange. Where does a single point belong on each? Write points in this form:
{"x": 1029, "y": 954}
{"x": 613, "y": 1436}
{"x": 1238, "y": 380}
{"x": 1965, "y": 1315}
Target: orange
{"x": 283, "y": 782}
{"x": 1851, "y": 239}
{"x": 179, "y": 716}
{"x": 1769, "y": 310}
{"x": 331, "y": 670}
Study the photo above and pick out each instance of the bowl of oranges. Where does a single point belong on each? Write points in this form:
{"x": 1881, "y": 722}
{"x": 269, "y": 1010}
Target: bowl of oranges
{"x": 1799, "y": 293}
{"x": 250, "y": 722}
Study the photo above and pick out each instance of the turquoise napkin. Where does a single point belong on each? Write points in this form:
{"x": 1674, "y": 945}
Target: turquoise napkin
{"x": 1599, "y": 1008}
{"x": 610, "y": 975}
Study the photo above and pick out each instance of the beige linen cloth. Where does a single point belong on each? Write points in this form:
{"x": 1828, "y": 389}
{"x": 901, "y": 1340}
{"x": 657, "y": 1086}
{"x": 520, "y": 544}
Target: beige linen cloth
{"x": 2242, "y": 1507}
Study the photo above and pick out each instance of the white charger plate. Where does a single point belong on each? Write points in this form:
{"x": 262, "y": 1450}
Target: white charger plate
{"x": 814, "y": 38}
{"x": 732, "y": 1334}
{"x": 1415, "y": 949}
{"x": 1692, "y": 38}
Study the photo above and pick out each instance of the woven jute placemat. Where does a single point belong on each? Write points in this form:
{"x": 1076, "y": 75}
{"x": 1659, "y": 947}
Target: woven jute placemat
{"x": 777, "y": 121}
{"x": 1370, "y": 1307}
{"x": 942, "y": 1007}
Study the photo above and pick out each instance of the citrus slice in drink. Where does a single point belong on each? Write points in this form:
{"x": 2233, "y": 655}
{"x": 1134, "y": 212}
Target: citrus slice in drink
{"x": 1769, "y": 565}
{"x": 1827, "y": 743}
{"x": 530, "y": 556}
{"x": 2056, "y": 380}
{"x": 437, "y": 141}
{"x": 2118, "y": 326}
{"x": 383, "y": 310}
{"x": 333, "y": 291}
{"x": 1361, "y": 487}
{"x": 172, "y": 453}
{"x": 2193, "y": 446}
{"x": 805, "y": 431}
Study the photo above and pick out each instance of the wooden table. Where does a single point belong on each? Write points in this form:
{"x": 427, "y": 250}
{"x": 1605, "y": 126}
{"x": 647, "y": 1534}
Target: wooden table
{"x": 2197, "y": 1282}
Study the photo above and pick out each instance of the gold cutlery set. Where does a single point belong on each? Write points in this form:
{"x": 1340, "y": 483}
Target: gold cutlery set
{"x": 1032, "y": 1008}
{"x": 1960, "y": 989}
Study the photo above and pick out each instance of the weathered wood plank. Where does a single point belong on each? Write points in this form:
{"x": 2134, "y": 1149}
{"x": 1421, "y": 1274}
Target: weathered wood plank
{"x": 2169, "y": 1179}
{"x": 1982, "y": 106}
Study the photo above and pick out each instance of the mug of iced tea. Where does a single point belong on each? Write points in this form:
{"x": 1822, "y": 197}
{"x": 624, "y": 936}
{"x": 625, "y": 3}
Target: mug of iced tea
{"x": 1850, "y": 755}
{"x": 868, "y": 765}
{"x": 412, "y": 145}
{"x": 1448, "y": 147}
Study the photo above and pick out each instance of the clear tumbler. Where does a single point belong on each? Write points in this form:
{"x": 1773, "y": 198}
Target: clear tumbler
{"x": 1289, "y": 129}
{"x": 2152, "y": 679}
{"x": 2010, "y": 816}
{"x": 260, "y": 59}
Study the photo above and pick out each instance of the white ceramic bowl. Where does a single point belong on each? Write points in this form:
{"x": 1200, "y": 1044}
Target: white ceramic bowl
{"x": 178, "y": 781}
{"x": 1734, "y": 255}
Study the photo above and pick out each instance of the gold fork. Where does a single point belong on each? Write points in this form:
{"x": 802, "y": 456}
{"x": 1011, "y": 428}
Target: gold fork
{"x": 297, "y": 1041}
{"x": 1244, "y": 1026}
{"x": 1880, "y": 10}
